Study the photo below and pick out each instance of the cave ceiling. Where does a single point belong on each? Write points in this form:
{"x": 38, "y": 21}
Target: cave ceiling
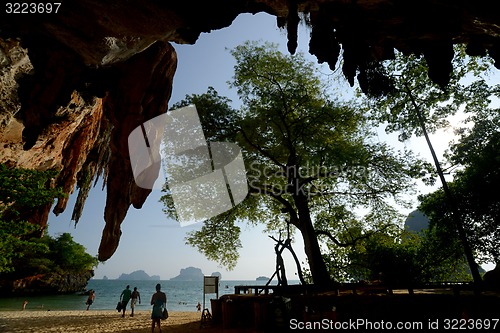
{"x": 86, "y": 57}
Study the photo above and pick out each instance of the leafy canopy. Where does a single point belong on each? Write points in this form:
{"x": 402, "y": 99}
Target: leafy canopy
{"x": 24, "y": 252}
{"x": 475, "y": 188}
{"x": 402, "y": 257}
{"x": 468, "y": 91}
{"x": 475, "y": 155}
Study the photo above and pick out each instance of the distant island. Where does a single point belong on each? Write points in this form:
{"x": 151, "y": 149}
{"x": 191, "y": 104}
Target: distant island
{"x": 262, "y": 278}
{"x": 193, "y": 274}
{"x": 189, "y": 274}
{"x": 138, "y": 275}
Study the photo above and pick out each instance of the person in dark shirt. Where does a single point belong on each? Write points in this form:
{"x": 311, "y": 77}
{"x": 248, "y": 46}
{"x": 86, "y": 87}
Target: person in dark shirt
{"x": 159, "y": 302}
{"x": 124, "y": 298}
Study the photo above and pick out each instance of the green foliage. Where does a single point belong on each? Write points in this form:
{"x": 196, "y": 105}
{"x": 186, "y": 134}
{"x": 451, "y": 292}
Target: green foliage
{"x": 51, "y": 255}
{"x": 216, "y": 116}
{"x": 353, "y": 235}
{"x": 69, "y": 255}
{"x": 25, "y": 188}
{"x": 476, "y": 160}
{"x": 289, "y": 120}
{"x": 475, "y": 190}
{"x": 23, "y": 251}
{"x": 409, "y": 259}
{"x": 396, "y": 257}
{"x": 16, "y": 244}
{"x": 468, "y": 91}
{"x": 223, "y": 236}
{"x": 473, "y": 187}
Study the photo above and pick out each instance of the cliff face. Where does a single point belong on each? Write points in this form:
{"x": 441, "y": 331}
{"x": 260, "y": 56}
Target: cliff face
{"x": 74, "y": 84}
{"x": 189, "y": 274}
{"x": 50, "y": 283}
{"x": 69, "y": 134}
{"x": 87, "y": 136}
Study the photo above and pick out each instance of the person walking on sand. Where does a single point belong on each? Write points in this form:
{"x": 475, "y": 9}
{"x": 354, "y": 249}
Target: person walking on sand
{"x": 24, "y": 304}
{"x": 135, "y": 296}
{"x": 158, "y": 301}
{"x": 124, "y": 298}
{"x": 90, "y": 299}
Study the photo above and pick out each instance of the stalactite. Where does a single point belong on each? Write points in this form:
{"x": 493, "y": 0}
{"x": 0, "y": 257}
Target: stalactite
{"x": 323, "y": 43}
{"x": 292, "y": 26}
{"x": 146, "y": 82}
{"x": 439, "y": 56}
{"x": 93, "y": 169}
{"x": 350, "y": 66}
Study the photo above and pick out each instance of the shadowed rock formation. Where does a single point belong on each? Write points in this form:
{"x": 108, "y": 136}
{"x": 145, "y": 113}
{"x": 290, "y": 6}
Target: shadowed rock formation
{"x": 141, "y": 91}
{"x": 49, "y": 283}
{"x": 492, "y": 278}
{"x": 74, "y": 84}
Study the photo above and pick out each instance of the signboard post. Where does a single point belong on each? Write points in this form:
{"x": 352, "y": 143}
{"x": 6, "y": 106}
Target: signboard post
{"x": 210, "y": 286}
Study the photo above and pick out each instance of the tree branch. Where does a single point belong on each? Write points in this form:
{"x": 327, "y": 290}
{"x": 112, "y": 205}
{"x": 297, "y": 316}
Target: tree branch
{"x": 260, "y": 149}
{"x": 351, "y": 243}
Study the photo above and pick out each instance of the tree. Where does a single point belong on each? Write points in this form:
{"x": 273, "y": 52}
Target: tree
{"x": 21, "y": 190}
{"x": 23, "y": 251}
{"x": 401, "y": 257}
{"x": 406, "y": 77}
{"x": 25, "y": 188}
{"x": 69, "y": 255}
{"x": 478, "y": 152}
{"x": 307, "y": 156}
{"x": 410, "y": 103}
{"x": 475, "y": 187}
{"x": 15, "y": 243}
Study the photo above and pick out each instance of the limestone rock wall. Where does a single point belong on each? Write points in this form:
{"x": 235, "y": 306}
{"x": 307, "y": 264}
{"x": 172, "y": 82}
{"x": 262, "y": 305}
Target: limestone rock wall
{"x": 64, "y": 144}
{"x": 50, "y": 283}
{"x": 82, "y": 136}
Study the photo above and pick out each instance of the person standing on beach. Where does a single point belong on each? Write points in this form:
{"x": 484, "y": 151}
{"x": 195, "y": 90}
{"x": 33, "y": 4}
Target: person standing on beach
{"x": 158, "y": 301}
{"x": 124, "y": 298}
{"x": 135, "y": 296}
{"x": 90, "y": 299}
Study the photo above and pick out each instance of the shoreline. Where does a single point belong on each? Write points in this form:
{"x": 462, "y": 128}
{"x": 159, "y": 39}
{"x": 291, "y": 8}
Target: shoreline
{"x": 93, "y": 321}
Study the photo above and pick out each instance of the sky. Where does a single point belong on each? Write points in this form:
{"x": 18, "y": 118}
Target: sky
{"x": 155, "y": 244}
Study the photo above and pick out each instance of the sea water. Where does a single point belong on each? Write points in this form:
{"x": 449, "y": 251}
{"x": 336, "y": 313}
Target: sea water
{"x": 181, "y": 295}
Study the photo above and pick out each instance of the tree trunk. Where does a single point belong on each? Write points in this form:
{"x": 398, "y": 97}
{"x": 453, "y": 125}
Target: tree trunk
{"x": 455, "y": 214}
{"x": 317, "y": 265}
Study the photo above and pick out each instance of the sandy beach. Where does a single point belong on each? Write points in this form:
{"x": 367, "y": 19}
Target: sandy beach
{"x": 95, "y": 322}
